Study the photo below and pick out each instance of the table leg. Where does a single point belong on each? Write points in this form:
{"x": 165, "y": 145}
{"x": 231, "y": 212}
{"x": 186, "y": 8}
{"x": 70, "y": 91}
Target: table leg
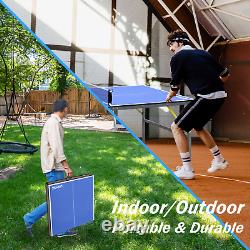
{"x": 143, "y": 125}
{"x": 116, "y": 112}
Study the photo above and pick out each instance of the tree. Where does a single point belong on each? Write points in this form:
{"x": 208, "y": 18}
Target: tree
{"x": 63, "y": 80}
{"x": 24, "y": 63}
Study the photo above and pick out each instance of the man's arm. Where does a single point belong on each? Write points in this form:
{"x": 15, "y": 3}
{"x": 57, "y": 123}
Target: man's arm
{"x": 176, "y": 65}
{"x": 57, "y": 147}
{"x": 177, "y": 70}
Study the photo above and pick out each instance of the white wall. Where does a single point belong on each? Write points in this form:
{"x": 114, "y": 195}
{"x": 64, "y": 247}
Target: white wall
{"x": 22, "y": 8}
{"x": 54, "y": 23}
{"x": 93, "y": 23}
{"x": 131, "y": 25}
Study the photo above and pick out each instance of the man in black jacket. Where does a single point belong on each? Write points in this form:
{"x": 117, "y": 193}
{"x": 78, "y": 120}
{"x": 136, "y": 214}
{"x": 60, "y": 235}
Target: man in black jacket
{"x": 204, "y": 77}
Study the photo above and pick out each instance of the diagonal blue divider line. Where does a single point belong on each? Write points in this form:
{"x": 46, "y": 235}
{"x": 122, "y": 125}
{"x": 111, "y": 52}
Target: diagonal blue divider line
{"x": 116, "y": 117}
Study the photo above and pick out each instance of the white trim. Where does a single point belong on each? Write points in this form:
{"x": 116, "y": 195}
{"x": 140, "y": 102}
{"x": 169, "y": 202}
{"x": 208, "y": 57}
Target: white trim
{"x": 224, "y": 178}
{"x": 212, "y": 44}
{"x": 50, "y": 212}
{"x": 214, "y": 95}
{"x": 196, "y": 24}
{"x": 83, "y": 177}
{"x": 177, "y": 8}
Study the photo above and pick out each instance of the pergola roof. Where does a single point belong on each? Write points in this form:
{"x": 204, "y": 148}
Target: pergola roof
{"x": 206, "y": 21}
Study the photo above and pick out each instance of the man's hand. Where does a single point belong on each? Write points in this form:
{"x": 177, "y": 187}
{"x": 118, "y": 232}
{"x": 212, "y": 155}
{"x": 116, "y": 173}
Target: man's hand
{"x": 225, "y": 78}
{"x": 69, "y": 172}
{"x": 67, "y": 169}
{"x": 171, "y": 95}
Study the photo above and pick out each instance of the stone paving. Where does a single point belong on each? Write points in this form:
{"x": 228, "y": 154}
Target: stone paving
{"x": 97, "y": 122}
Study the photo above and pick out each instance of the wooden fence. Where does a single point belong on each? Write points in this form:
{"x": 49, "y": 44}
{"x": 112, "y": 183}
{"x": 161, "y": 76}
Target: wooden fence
{"x": 80, "y": 101}
{"x": 3, "y": 109}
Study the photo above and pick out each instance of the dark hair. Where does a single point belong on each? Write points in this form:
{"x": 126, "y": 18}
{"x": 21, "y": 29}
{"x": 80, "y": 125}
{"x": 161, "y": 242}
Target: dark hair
{"x": 59, "y": 105}
{"x": 178, "y": 36}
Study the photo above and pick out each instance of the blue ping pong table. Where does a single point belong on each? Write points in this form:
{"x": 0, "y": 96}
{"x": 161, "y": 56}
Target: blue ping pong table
{"x": 70, "y": 203}
{"x": 138, "y": 97}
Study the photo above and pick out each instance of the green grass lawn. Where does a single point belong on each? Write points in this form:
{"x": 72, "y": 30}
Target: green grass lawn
{"x": 123, "y": 170}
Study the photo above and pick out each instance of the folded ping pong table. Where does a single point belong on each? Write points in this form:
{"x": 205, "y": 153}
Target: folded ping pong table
{"x": 138, "y": 97}
{"x": 70, "y": 203}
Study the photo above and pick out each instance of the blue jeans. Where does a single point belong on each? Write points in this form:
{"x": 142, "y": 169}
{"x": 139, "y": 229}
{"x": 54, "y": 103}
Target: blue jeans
{"x": 40, "y": 211}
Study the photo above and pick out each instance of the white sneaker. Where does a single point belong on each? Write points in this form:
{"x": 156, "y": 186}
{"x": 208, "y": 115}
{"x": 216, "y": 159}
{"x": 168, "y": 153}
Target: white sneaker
{"x": 183, "y": 173}
{"x": 215, "y": 166}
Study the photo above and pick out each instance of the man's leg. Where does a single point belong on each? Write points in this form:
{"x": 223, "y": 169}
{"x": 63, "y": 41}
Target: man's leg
{"x": 40, "y": 211}
{"x": 180, "y": 139}
{"x": 186, "y": 171}
{"x": 186, "y": 121}
{"x": 35, "y": 215}
{"x": 218, "y": 162}
{"x": 206, "y": 138}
